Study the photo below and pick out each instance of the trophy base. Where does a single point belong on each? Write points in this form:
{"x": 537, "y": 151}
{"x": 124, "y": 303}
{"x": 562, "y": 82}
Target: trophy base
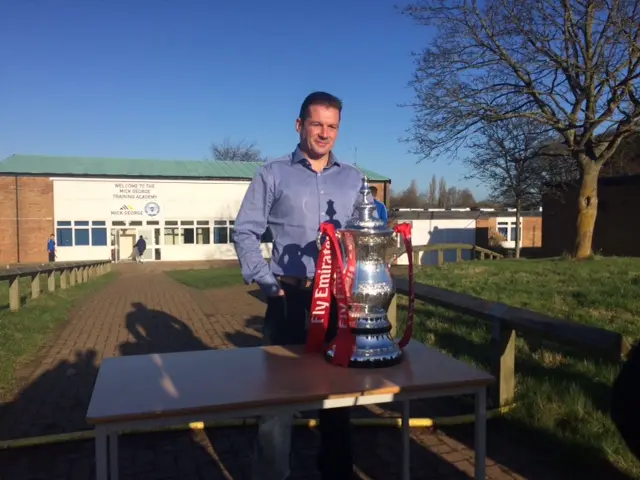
{"x": 385, "y": 353}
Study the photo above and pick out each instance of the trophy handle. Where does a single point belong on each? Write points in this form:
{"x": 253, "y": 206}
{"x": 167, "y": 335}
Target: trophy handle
{"x": 320, "y": 239}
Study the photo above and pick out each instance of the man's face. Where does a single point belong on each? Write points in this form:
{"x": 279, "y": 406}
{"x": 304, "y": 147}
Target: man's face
{"x": 319, "y": 131}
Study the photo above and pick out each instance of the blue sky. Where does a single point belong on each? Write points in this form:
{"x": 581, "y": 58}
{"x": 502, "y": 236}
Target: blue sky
{"x": 165, "y": 78}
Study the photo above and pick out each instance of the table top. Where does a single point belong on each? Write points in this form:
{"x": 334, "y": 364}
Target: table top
{"x": 209, "y": 381}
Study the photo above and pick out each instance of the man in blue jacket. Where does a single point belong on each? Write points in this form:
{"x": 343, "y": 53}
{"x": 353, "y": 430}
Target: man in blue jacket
{"x": 382, "y": 210}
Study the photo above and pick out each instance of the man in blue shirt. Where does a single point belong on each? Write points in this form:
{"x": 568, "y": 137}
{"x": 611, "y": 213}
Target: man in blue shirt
{"x": 292, "y": 196}
{"x": 51, "y": 248}
{"x": 382, "y": 210}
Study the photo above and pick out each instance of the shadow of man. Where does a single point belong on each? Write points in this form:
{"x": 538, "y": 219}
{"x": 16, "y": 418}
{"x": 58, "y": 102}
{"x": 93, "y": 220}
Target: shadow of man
{"x": 53, "y": 403}
{"x": 155, "y": 331}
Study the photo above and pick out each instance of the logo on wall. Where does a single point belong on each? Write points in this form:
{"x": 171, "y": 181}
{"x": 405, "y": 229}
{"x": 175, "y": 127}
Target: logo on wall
{"x": 152, "y": 209}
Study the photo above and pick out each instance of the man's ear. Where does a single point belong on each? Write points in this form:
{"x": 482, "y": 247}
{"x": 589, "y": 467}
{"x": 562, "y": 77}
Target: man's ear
{"x": 299, "y": 125}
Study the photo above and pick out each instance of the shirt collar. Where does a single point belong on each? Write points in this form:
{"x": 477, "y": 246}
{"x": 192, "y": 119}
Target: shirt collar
{"x": 298, "y": 156}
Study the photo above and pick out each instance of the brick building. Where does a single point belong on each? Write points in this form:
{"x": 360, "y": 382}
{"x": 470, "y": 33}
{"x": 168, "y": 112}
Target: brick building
{"x": 97, "y": 208}
{"x": 617, "y": 224}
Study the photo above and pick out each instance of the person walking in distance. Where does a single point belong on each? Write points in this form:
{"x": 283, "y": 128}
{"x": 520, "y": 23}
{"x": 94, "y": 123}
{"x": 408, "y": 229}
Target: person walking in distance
{"x": 51, "y": 248}
{"x": 292, "y": 196}
{"x": 140, "y": 247}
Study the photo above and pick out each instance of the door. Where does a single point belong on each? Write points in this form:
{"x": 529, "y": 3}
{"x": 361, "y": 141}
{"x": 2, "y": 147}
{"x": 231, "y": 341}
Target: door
{"x": 126, "y": 241}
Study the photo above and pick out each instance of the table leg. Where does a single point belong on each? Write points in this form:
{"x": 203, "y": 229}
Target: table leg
{"x": 101, "y": 454}
{"x": 481, "y": 434}
{"x": 406, "y": 437}
{"x": 113, "y": 455}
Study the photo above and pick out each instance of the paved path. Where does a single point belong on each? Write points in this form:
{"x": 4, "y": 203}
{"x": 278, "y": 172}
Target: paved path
{"x": 145, "y": 311}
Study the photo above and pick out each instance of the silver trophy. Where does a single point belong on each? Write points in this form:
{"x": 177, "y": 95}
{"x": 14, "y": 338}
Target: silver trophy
{"x": 364, "y": 240}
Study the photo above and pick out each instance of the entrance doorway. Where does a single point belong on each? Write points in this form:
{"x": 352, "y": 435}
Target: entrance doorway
{"x": 126, "y": 241}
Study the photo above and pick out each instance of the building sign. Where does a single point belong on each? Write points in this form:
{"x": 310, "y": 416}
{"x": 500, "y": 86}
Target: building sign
{"x": 135, "y": 191}
{"x": 135, "y": 199}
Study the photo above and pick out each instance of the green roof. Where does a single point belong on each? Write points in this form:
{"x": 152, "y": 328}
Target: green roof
{"x": 123, "y": 167}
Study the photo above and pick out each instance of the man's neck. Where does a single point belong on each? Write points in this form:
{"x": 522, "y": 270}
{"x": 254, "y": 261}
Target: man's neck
{"x": 318, "y": 164}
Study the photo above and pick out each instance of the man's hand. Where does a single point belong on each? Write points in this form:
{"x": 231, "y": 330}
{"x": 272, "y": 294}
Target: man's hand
{"x": 280, "y": 293}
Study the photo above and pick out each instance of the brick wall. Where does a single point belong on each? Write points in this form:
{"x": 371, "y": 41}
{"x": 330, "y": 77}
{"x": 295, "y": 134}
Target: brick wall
{"x": 25, "y": 240}
{"x": 531, "y": 232}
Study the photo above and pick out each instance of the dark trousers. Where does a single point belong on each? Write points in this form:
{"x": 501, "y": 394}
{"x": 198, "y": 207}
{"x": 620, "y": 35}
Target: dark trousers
{"x": 52, "y": 257}
{"x": 285, "y": 324}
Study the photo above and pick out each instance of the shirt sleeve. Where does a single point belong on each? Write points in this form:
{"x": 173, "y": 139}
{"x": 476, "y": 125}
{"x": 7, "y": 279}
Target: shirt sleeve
{"x": 250, "y": 224}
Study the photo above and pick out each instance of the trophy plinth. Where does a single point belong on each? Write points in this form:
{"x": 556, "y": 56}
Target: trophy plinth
{"x": 365, "y": 239}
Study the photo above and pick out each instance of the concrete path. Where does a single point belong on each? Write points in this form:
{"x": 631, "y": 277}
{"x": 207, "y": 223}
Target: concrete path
{"x": 145, "y": 311}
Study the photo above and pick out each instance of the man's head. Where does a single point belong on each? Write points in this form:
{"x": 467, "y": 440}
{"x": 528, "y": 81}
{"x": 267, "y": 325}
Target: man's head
{"x": 374, "y": 191}
{"x": 318, "y": 124}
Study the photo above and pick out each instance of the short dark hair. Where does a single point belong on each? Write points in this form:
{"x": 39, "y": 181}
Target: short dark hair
{"x": 373, "y": 189}
{"x": 319, "y": 98}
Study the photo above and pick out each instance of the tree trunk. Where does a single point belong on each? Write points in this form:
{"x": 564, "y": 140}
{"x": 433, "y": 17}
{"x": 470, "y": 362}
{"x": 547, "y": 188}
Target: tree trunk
{"x": 518, "y": 242}
{"x": 587, "y": 210}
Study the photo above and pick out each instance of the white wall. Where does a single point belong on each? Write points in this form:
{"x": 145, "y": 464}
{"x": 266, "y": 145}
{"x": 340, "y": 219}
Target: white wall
{"x": 159, "y": 200}
{"x": 431, "y": 232}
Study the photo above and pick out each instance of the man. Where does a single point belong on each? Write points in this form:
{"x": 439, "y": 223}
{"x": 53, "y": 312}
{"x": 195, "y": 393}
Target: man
{"x": 292, "y": 196}
{"x": 382, "y": 210}
{"x": 51, "y": 248}
{"x": 140, "y": 247}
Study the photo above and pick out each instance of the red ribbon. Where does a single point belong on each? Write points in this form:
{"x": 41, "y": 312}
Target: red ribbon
{"x": 330, "y": 281}
{"x": 404, "y": 229}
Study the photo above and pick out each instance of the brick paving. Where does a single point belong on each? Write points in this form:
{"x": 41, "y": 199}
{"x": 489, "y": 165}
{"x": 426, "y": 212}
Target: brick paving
{"x": 145, "y": 311}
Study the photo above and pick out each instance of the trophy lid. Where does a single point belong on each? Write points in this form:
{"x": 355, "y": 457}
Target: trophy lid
{"x": 365, "y": 216}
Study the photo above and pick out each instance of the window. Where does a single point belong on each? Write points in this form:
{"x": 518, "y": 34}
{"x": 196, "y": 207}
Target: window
{"x": 153, "y": 222}
{"x": 99, "y": 233}
{"x": 503, "y": 230}
{"x": 203, "y": 232}
{"x": 171, "y": 236}
{"x": 222, "y": 231}
{"x": 507, "y": 229}
{"x": 135, "y": 223}
{"x": 64, "y": 234}
{"x": 81, "y": 233}
{"x": 188, "y": 233}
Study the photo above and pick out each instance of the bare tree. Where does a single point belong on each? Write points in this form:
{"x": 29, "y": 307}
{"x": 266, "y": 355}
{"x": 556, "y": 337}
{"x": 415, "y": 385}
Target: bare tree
{"x": 432, "y": 194}
{"x": 506, "y": 158}
{"x": 573, "y": 66}
{"x": 241, "y": 151}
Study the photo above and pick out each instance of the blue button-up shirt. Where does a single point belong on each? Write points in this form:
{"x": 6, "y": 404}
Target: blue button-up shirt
{"x": 290, "y": 198}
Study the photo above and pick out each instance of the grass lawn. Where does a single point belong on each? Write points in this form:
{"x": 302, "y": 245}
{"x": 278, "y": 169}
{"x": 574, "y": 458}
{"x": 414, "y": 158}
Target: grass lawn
{"x": 562, "y": 396}
{"x": 23, "y": 332}
{"x": 208, "y": 278}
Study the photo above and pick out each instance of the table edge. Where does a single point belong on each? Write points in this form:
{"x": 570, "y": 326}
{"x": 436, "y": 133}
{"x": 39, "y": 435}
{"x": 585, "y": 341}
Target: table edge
{"x": 476, "y": 383}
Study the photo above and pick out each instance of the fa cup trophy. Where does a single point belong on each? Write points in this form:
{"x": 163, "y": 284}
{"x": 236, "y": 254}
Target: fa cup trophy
{"x": 353, "y": 265}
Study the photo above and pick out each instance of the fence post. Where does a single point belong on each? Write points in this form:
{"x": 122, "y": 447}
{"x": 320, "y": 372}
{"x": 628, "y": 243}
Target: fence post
{"x": 14, "y": 293}
{"x": 440, "y": 257}
{"x": 503, "y": 349}
{"x": 35, "y": 285}
{"x": 51, "y": 280}
{"x": 73, "y": 276}
{"x": 64, "y": 278}
{"x": 458, "y": 255}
